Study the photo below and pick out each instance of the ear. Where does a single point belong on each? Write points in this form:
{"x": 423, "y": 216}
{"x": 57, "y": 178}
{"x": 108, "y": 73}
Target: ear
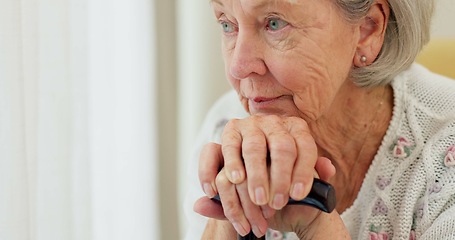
{"x": 372, "y": 31}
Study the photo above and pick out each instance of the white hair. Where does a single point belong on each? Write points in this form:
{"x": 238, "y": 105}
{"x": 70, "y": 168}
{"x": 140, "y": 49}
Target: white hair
{"x": 408, "y": 31}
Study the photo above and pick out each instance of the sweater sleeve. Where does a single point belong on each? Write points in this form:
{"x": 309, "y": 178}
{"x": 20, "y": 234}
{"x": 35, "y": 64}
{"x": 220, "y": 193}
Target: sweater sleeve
{"x": 443, "y": 227}
{"x": 438, "y": 204}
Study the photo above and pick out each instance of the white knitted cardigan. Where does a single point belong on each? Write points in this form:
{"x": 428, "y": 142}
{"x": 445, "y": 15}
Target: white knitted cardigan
{"x": 409, "y": 190}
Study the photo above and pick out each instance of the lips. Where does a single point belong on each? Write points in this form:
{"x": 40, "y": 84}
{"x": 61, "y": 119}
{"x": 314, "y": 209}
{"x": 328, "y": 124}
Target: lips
{"x": 264, "y": 104}
{"x": 281, "y": 105}
{"x": 263, "y": 99}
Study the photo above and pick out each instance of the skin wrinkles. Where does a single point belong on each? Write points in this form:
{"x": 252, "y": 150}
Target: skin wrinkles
{"x": 310, "y": 54}
{"x": 317, "y": 70}
{"x": 307, "y": 76}
{"x": 299, "y": 70}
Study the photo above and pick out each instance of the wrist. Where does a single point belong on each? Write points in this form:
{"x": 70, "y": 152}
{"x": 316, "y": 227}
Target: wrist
{"x": 325, "y": 226}
{"x": 219, "y": 229}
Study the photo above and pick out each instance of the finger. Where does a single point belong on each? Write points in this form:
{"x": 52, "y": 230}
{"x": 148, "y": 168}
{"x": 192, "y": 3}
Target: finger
{"x": 210, "y": 161}
{"x": 254, "y": 151}
{"x": 252, "y": 212}
{"x": 303, "y": 172}
{"x": 325, "y": 168}
{"x": 232, "y": 207}
{"x": 231, "y": 149}
{"x": 283, "y": 154}
{"x": 267, "y": 211}
{"x": 209, "y": 208}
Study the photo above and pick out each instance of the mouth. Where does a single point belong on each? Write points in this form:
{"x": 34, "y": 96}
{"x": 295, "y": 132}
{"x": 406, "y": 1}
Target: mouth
{"x": 263, "y": 99}
{"x": 275, "y": 105}
{"x": 265, "y": 104}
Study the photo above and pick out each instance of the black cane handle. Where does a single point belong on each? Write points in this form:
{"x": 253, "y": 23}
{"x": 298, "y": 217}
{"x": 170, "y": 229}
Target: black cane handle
{"x": 321, "y": 196}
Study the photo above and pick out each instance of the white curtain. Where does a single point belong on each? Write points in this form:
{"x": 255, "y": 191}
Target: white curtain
{"x": 201, "y": 78}
{"x": 77, "y": 123}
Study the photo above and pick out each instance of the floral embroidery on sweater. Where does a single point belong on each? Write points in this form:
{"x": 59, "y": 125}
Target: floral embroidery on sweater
{"x": 275, "y": 235}
{"x": 436, "y": 187}
{"x": 402, "y": 148}
{"x": 380, "y": 208}
{"x": 449, "y": 159}
{"x": 420, "y": 210}
{"x": 382, "y": 182}
{"x": 377, "y": 234}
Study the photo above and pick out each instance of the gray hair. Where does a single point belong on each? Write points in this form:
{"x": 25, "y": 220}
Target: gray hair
{"x": 408, "y": 31}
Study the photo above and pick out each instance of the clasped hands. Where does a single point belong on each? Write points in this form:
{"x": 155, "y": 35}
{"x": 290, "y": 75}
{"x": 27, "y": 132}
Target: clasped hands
{"x": 262, "y": 161}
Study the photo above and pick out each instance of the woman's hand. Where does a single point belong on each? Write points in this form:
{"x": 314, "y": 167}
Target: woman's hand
{"x": 278, "y": 155}
{"x": 279, "y": 149}
{"x": 245, "y": 216}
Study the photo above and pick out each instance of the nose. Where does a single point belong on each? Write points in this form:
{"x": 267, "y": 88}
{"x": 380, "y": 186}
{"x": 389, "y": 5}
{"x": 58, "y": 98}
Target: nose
{"x": 247, "y": 57}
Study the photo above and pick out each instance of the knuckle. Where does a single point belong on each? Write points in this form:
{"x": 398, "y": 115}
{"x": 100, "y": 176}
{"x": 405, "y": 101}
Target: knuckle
{"x": 221, "y": 180}
{"x": 231, "y": 211}
{"x": 204, "y": 176}
{"x": 283, "y": 150}
{"x": 230, "y": 138}
{"x": 306, "y": 179}
{"x": 229, "y": 147}
{"x": 254, "y": 143}
{"x": 254, "y": 137}
{"x": 252, "y": 149}
{"x": 273, "y": 118}
{"x": 281, "y": 185}
{"x": 257, "y": 179}
{"x": 296, "y": 120}
{"x": 252, "y": 216}
{"x": 298, "y": 126}
{"x": 286, "y": 147}
{"x": 232, "y": 124}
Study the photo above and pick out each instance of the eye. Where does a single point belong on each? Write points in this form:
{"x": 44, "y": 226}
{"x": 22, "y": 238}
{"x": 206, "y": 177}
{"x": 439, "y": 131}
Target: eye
{"x": 227, "y": 27}
{"x": 276, "y": 24}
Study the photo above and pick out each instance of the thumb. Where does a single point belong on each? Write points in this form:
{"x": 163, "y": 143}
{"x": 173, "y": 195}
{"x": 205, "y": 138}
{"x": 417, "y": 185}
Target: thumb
{"x": 209, "y": 208}
{"x": 325, "y": 168}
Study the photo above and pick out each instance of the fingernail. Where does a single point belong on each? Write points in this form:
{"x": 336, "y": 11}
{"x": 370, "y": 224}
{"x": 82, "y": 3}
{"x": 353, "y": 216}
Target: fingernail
{"x": 235, "y": 175}
{"x": 257, "y": 231}
{"x": 209, "y": 190}
{"x": 278, "y": 202}
{"x": 259, "y": 193}
{"x": 239, "y": 228}
{"x": 297, "y": 191}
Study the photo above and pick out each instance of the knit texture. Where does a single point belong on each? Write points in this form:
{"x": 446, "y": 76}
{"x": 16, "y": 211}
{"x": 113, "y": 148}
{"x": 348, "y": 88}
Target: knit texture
{"x": 409, "y": 190}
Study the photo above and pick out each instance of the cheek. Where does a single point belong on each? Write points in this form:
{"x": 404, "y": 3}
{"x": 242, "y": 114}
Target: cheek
{"x": 303, "y": 67}
{"x": 305, "y": 73}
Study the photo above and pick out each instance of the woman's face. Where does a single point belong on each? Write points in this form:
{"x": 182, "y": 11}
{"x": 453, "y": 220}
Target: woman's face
{"x": 286, "y": 58}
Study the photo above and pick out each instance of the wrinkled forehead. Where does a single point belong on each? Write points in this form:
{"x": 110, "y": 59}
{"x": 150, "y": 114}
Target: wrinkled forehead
{"x": 260, "y": 4}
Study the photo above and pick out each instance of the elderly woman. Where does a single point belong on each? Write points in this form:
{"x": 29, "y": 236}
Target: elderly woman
{"x": 330, "y": 91}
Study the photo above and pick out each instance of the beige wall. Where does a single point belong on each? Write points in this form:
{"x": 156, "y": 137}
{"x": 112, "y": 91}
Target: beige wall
{"x": 167, "y": 118}
{"x": 444, "y": 20}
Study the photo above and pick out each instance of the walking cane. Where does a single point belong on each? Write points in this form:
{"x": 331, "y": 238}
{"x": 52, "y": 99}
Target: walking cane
{"x": 321, "y": 196}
